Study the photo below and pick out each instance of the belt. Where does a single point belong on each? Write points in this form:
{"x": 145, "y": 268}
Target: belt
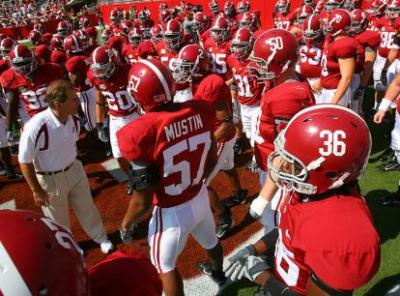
{"x": 56, "y": 172}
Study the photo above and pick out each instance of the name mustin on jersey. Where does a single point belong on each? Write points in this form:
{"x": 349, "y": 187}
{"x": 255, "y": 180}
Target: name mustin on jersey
{"x": 183, "y": 127}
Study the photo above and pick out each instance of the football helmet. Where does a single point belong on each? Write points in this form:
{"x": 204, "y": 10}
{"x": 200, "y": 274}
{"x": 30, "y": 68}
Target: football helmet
{"x": 104, "y": 62}
{"x": 304, "y": 12}
{"x": 333, "y": 4}
{"x": 135, "y": 37}
{"x": 22, "y": 59}
{"x": 143, "y": 16}
{"x": 282, "y": 6}
{"x": 42, "y": 53}
{"x": 191, "y": 61}
{"x": 125, "y": 26}
{"x": 393, "y": 9}
{"x": 83, "y": 22}
{"x": 151, "y": 84}
{"x": 35, "y": 37}
{"x": 309, "y": 3}
{"x": 312, "y": 29}
{"x": 72, "y": 45}
{"x": 3, "y": 36}
{"x": 243, "y": 6}
{"x": 214, "y": 7}
{"x": 200, "y": 22}
{"x": 173, "y": 34}
{"x": 249, "y": 20}
{"x": 64, "y": 28}
{"x": 46, "y": 38}
{"x": 163, "y": 6}
{"x": 115, "y": 17}
{"x": 378, "y": 7}
{"x": 242, "y": 43}
{"x": 156, "y": 33}
{"x": 164, "y": 16}
{"x": 52, "y": 265}
{"x": 107, "y": 33}
{"x": 5, "y": 48}
{"x": 359, "y": 21}
{"x": 83, "y": 38}
{"x": 339, "y": 23}
{"x": 220, "y": 29}
{"x": 38, "y": 27}
{"x": 352, "y": 4}
{"x": 92, "y": 32}
{"x": 57, "y": 42}
{"x": 229, "y": 8}
{"x": 332, "y": 151}
{"x": 273, "y": 53}
{"x": 320, "y": 6}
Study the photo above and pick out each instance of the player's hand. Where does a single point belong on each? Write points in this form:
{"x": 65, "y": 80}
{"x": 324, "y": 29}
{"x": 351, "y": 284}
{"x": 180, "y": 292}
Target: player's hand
{"x": 102, "y": 133}
{"x": 378, "y": 117}
{"x": 253, "y": 267}
{"x": 258, "y": 206}
{"x": 41, "y": 198}
{"x": 127, "y": 235}
{"x": 236, "y": 262}
{"x": 316, "y": 87}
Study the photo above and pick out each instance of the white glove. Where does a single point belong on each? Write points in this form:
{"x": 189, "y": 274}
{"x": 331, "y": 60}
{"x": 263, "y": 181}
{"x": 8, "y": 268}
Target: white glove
{"x": 258, "y": 206}
{"x": 251, "y": 268}
{"x": 236, "y": 262}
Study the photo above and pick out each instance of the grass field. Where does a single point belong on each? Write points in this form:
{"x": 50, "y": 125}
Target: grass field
{"x": 375, "y": 185}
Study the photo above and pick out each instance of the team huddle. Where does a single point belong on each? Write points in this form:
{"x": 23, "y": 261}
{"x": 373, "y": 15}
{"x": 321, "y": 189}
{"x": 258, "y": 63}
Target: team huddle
{"x": 174, "y": 102}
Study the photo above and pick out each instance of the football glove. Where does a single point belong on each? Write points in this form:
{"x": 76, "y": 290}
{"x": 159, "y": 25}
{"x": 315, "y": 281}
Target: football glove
{"x": 102, "y": 133}
{"x": 258, "y": 206}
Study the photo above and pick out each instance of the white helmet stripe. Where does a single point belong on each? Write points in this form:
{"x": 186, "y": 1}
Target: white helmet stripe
{"x": 309, "y": 22}
{"x": 94, "y": 54}
{"x": 160, "y": 77}
{"x": 16, "y": 51}
{"x": 11, "y": 281}
{"x": 76, "y": 41}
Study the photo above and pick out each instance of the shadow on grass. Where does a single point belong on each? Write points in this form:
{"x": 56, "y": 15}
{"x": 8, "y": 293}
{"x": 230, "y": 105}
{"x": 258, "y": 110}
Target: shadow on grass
{"x": 235, "y": 287}
{"x": 386, "y": 219}
{"x": 384, "y": 285}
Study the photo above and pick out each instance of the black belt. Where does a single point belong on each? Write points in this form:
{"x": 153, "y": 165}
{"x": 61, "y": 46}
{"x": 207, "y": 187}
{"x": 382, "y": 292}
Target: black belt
{"x": 56, "y": 172}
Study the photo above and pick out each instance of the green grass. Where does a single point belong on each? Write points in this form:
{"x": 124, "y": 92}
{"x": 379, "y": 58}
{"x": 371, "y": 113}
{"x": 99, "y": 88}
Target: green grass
{"x": 375, "y": 185}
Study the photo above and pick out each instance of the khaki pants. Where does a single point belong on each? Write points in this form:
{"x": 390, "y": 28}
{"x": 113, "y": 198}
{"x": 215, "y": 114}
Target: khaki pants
{"x": 71, "y": 188}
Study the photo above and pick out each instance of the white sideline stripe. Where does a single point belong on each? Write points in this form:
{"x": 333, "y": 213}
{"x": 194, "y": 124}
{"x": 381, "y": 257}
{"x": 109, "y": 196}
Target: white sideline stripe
{"x": 112, "y": 167}
{"x": 203, "y": 285}
{"x": 9, "y": 205}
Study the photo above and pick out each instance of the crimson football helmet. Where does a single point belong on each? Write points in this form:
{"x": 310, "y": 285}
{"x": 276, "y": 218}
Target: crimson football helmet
{"x": 333, "y": 4}
{"x": 115, "y": 17}
{"x": 72, "y": 45}
{"x": 46, "y": 38}
{"x": 83, "y": 37}
{"x": 164, "y": 16}
{"x": 107, "y": 33}
{"x": 143, "y": 16}
{"x": 83, "y": 22}
{"x": 320, "y": 6}
{"x": 214, "y": 7}
{"x": 352, "y": 4}
{"x": 303, "y": 13}
{"x": 249, "y": 20}
{"x": 52, "y": 265}
{"x": 378, "y": 7}
{"x": 22, "y": 59}
{"x": 312, "y": 29}
{"x": 242, "y": 43}
{"x": 104, "y": 62}
{"x": 38, "y": 27}
{"x": 173, "y": 34}
{"x": 243, "y": 6}
{"x": 332, "y": 151}
{"x": 64, "y": 28}
{"x": 359, "y": 21}
{"x": 3, "y": 36}
{"x": 339, "y": 23}
{"x": 220, "y": 29}
{"x": 5, "y": 48}
{"x": 229, "y": 8}
{"x": 135, "y": 37}
{"x": 273, "y": 53}
{"x": 200, "y": 22}
{"x": 282, "y": 6}
{"x": 151, "y": 84}
{"x": 163, "y": 6}
{"x": 192, "y": 61}
{"x": 57, "y": 42}
{"x": 125, "y": 26}
{"x": 156, "y": 33}
{"x": 393, "y": 9}
{"x": 35, "y": 37}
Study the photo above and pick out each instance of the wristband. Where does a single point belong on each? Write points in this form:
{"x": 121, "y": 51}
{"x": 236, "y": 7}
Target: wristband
{"x": 384, "y": 105}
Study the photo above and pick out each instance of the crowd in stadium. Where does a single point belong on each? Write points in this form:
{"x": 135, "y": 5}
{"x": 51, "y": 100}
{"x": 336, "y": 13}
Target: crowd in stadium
{"x": 174, "y": 98}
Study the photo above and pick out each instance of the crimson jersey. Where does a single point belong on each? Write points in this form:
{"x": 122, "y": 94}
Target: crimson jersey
{"x": 145, "y": 27}
{"x": 282, "y": 21}
{"x": 248, "y": 90}
{"x": 278, "y": 105}
{"x": 375, "y": 23}
{"x": 213, "y": 88}
{"x": 114, "y": 91}
{"x": 342, "y": 48}
{"x": 387, "y": 32}
{"x": 167, "y": 55}
{"x": 334, "y": 238}
{"x": 218, "y": 54}
{"x": 108, "y": 277}
{"x": 130, "y": 53}
{"x": 310, "y": 59}
{"x": 177, "y": 143}
{"x": 32, "y": 92}
{"x": 4, "y": 65}
{"x": 365, "y": 39}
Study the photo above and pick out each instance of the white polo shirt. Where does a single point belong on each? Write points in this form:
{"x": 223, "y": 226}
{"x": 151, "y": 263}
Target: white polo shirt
{"x": 48, "y": 143}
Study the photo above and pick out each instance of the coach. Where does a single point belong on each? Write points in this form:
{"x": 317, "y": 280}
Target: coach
{"x": 47, "y": 155}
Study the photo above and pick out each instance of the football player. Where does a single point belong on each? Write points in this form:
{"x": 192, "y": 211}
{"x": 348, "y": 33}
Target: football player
{"x": 111, "y": 81}
{"x": 129, "y": 51}
{"x": 319, "y": 171}
{"x": 172, "y": 150}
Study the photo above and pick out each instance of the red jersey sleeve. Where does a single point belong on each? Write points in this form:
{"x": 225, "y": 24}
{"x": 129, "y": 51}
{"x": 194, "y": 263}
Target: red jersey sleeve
{"x": 345, "y": 48}
{"x": 7, "y": 79}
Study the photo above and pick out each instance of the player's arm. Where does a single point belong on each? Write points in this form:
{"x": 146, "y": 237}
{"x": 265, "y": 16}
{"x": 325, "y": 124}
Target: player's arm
{"x": 390, "y": 96}
{"x": 100, "y": 107}
{"x": 347, "y": 67}
{"x": 392, "y": 55}
{"x": 224, "y": 115}
{"x": 12, "y": 109}
{"x": 370, "y": 56}
{"x": 212, "y": 158}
